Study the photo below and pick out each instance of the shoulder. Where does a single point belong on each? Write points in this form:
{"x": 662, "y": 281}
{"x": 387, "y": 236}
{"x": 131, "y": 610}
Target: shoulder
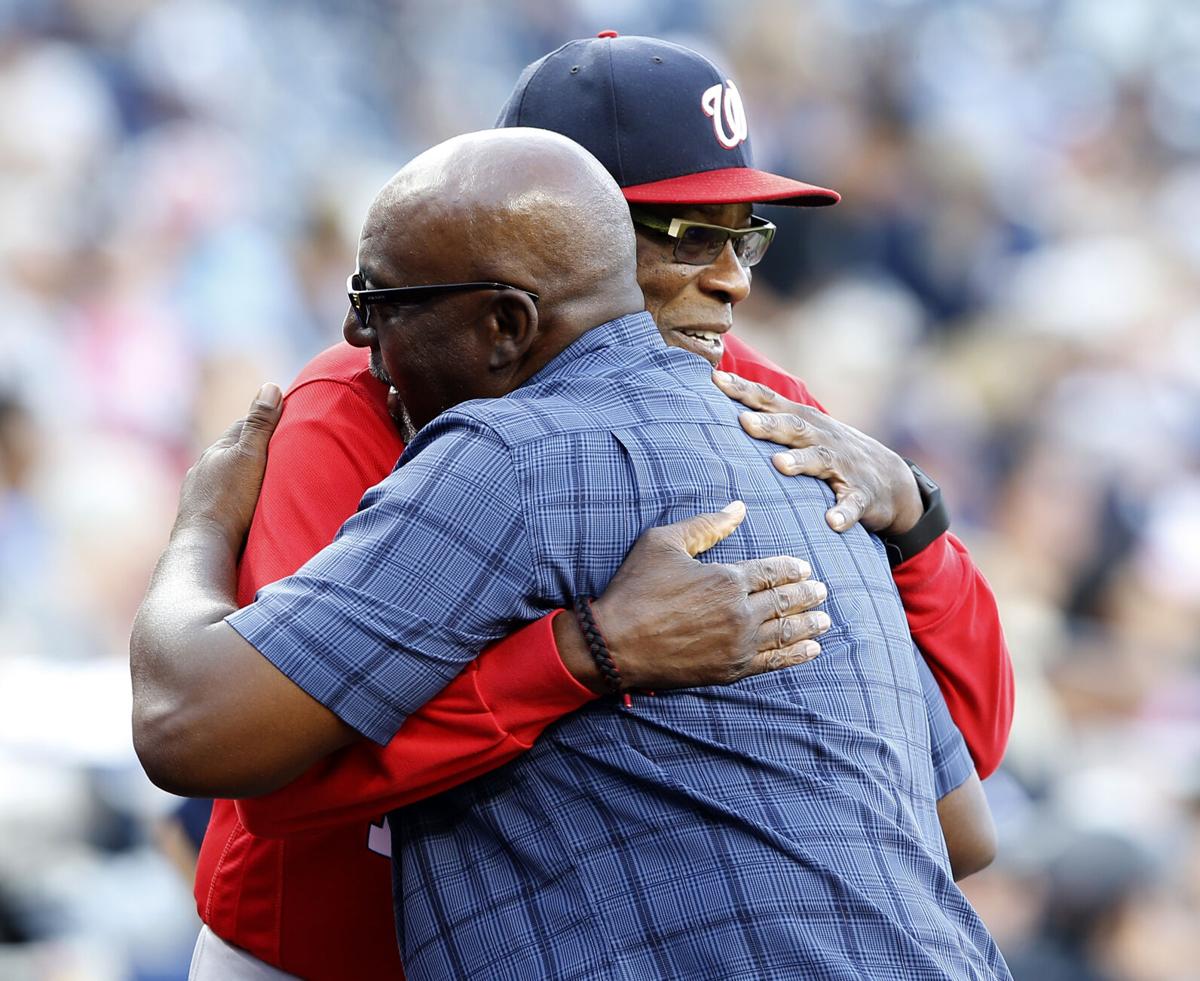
{"x": 336, "y": 391}
{"x": 469, "y": 435}
{"x": 626, "y": 389}
{"x": 525, "y": 415}
{"x": 741, "y": 359}
{"x": 334, "y": 441}
{"x": 340, "y": 366}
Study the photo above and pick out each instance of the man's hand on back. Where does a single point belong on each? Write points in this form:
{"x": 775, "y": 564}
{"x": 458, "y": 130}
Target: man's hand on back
{"x": 672, "y": 622}
{"x": 872, "y": 484}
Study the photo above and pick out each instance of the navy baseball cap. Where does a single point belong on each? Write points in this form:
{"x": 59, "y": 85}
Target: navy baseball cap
{"x": 668, "y": 125}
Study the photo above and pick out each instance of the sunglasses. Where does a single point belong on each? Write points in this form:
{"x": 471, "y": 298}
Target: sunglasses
{"x": 698, "y": 244}
{"x": 362, "y": 299}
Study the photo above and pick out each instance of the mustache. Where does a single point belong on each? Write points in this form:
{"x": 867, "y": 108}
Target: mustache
{"x": 400, "y": 417}
{"x": 396, "y": 408}
{"x": 378, "y": 370}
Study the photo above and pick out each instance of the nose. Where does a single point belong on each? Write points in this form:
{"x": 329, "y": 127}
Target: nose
{"x": 725, "y": 278}
{"x": 353, "y": 330}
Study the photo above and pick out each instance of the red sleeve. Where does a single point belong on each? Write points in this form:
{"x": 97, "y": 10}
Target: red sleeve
{"x": 950, "y": 607}
{"x": 335, "y": 441}
{"x": 954, "y": 620}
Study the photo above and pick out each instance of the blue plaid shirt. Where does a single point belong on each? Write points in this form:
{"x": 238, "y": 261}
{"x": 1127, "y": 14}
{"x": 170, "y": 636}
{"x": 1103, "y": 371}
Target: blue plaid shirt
{"x": 781, "y": 827}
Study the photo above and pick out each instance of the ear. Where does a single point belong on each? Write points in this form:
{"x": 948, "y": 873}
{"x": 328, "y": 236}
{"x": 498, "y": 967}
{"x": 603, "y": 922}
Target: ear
{"x": 512, "y": 325}
{"x": 355, "y": 333}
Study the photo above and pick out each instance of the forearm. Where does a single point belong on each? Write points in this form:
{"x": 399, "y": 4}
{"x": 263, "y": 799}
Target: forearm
{"x": 173, "y": 676}
{"x": 210, "y": 715}
{"x": 956, "y": 625}
{"x": 968, "y": 828}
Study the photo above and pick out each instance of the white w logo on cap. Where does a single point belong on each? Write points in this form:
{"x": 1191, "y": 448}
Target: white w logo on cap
{"x": 724, "y": 104}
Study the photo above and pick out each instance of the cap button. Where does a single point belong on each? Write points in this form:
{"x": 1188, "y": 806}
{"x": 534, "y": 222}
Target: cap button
{"x": 608, "y": 34}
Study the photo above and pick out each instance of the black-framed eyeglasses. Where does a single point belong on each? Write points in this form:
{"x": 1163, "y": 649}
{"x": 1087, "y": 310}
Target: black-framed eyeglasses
{"x": 698, "y": 244}
{"x": 361, "y": 299}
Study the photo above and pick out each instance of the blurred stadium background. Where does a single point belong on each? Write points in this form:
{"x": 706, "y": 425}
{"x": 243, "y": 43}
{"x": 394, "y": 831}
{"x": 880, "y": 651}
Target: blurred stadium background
{"x": 1009, "y": 292}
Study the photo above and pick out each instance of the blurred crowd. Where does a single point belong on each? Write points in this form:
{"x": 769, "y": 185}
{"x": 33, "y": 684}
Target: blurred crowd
{"x": 1009, "y": 293}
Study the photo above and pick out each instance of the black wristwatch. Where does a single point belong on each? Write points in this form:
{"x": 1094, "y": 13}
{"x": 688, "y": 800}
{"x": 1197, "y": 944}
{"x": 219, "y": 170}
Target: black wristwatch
{"x": 934, "y": 523}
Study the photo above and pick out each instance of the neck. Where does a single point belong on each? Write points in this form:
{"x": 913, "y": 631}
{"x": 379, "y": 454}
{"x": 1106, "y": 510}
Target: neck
{"x": 563, "y": 328}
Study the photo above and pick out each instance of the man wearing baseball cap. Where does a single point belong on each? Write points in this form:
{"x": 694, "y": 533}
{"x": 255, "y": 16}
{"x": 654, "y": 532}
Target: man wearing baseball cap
{"x": 673, "y": 132}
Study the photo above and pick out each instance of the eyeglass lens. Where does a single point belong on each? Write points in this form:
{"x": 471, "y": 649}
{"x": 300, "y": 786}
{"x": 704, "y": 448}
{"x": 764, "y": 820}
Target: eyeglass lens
{"x": 361, "y": 310}
{"x": 700, "y": 246}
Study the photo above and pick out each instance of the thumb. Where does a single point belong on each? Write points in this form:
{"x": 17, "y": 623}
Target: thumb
{"x": 701, "y": 532}
{"x": 261, "y": 420}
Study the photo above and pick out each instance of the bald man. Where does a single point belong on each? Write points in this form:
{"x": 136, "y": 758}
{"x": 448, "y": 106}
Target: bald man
{"x": 772, "y": 828}
{"x": 574, "y": 242}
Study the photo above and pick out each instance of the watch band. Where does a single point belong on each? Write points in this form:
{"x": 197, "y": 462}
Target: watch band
{"x": 934, "y": 523}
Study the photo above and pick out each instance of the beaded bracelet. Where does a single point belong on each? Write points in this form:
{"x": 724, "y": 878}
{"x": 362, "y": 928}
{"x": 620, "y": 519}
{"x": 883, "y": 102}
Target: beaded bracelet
{"x": 595, "y": 642}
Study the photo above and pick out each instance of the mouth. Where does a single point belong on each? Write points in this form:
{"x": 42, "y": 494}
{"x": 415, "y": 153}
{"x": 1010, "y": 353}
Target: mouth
{"x": 709, "y": 343}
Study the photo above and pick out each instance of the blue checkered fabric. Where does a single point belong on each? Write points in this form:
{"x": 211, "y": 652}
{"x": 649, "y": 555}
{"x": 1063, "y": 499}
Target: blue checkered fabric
{"x": 781, "y": 827}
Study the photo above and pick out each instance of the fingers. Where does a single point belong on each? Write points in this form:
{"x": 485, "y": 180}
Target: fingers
{"x": 785, "y": 657}
{"x": 782, "y": 601}
{"x": 812, "y": 461}
{"x": 789, "y": 631}
{"x": 794, "y": 429}
{"x": 751, "y": 394}
{"x": 820, "y": 461}
{"x": 778, "y": 570}
{"x": 701, "y": 532}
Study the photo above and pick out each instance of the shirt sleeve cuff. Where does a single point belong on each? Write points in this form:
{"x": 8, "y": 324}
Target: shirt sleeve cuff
{"x": 525, "y": 682}
{"x": 954, "y": 767}
{"x": 356, "y": 705}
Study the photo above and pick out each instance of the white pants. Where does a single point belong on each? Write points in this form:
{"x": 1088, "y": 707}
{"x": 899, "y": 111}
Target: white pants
{"x": 215, "y": 960}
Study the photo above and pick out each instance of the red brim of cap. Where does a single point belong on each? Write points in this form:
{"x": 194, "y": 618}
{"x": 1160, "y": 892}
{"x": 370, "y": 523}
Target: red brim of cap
{"x": 731, "y": 185}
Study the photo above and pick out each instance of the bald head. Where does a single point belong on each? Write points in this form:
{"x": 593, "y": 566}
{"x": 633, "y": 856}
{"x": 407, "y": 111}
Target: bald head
{"x": 523, "y": 206}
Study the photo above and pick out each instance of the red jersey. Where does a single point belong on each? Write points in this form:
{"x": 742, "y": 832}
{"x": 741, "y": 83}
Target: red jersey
{"x": 318, "y": 902}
